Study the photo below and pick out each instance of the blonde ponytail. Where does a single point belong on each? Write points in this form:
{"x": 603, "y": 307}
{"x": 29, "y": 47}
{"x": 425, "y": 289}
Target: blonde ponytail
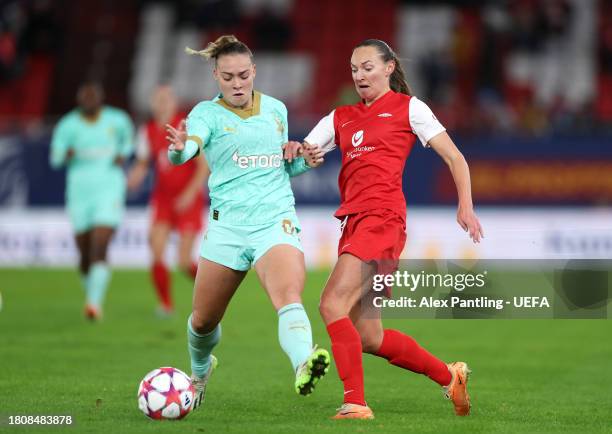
{"x": 226, "y": 44}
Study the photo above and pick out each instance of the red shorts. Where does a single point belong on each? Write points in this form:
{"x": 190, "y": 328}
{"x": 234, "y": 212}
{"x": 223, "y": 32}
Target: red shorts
{"x": 188, "y": 220}
{"x": 377, "y": 235}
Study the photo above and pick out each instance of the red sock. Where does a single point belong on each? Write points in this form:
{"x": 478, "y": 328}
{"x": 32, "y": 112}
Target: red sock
{"x": 193, "y": 270}
{"x": 161, "y": 280}
{"x": 403, "y": 351}
{"x": 346, "y": 346}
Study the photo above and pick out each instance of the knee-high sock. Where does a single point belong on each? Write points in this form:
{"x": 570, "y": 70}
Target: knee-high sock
{"x": 294, "y": 333}
{"x": 97, "y": 283}
{"x": 403, "y": 351}
{"x": 200, "y": 347}
{"x": 161, "y": 281}
{"x": 346, "y": 346}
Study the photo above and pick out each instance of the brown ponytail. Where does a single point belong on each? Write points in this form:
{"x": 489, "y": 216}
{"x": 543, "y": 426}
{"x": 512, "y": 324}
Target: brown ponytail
{"x": 397, "y": 81}
{"x": 226, "y": 44}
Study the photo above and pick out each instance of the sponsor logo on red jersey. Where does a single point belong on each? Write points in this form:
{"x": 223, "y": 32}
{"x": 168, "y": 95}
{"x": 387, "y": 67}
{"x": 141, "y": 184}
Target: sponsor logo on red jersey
{"x": 357, "y": 138}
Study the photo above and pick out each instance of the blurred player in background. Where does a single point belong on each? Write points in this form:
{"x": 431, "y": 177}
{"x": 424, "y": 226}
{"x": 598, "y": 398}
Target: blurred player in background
{"x": 375, "y": 137}
{"x": 252, "y": 216}
{"x": 177, "y": 200}
{"x": 92, "y": 142}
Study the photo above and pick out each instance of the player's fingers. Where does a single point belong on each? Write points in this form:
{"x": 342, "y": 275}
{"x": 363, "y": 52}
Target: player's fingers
{"x": 480, "y": 230}
{"x": 474, "y": 234}
{"x": 172, "y": 139}
{"x": 477, "y": 231}
{"x": 182, "y": 124}
{"x": 287, "y": 151}
{"x": 293, "y": 150}
{"x": 462, "y": 224}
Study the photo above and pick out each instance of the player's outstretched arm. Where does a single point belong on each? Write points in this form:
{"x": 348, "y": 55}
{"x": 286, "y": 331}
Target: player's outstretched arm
{"x": 466, "y": 217}
{"x": 182, "y": 148}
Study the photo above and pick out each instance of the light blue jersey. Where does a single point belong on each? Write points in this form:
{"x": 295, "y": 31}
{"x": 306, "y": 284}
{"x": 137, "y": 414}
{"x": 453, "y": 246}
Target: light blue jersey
{"x": 249, "y": 181}
{"x": 95, "y": 185}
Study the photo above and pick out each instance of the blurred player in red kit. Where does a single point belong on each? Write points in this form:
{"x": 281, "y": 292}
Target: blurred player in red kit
{"x": 177, "y": 200}
{"x": 375, "y": 137}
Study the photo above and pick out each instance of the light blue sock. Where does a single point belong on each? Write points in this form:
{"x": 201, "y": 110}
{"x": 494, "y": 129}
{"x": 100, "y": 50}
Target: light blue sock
{"x": 97, "y": 283}
{"x": 200, "y": 347}
{"x": 294, "y": 333}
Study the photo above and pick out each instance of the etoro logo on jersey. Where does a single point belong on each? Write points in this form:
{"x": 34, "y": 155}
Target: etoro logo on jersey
{"x": 357, "y": 141}
{"x": 263, "y": 161}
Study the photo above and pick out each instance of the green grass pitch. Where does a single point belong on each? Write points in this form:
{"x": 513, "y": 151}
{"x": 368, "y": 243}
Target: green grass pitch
{"x": 528, "y": 376}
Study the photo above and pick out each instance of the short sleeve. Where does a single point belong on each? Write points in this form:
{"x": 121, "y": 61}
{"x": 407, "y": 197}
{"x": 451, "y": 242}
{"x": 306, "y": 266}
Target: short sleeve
{"x": 423, "y": 122}
{"x": 143, "y": 150}
{"x": 323, "y": 134}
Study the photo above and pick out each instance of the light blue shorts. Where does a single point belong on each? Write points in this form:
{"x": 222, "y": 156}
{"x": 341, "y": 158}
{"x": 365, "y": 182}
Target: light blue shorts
{"x": 239, "y": 246}
{"x": 97, "y": 210}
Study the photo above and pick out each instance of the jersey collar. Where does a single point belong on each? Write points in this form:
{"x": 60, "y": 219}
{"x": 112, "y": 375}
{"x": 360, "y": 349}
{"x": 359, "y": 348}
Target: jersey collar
{"x": 242, "y": 113}
{"x": 378, "y": 101}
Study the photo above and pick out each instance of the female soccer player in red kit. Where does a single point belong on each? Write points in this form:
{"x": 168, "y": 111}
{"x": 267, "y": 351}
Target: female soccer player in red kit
{"x": 375, "y": 137}
{"x": 177, "y": 200}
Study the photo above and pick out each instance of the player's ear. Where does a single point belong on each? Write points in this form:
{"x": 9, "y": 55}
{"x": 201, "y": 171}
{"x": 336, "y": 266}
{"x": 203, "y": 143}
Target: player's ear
{"x": 389, "y": 68}
{"x": 254, "y": 70}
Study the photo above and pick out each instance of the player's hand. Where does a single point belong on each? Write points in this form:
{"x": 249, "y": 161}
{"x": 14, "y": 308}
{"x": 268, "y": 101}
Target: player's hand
{"x": 292, "y": 150}
{"x": 466, "y": 217}
{"x": 313, "y": 155}
{"x": 183, "y": 201}
{"x": 177, "y": 136}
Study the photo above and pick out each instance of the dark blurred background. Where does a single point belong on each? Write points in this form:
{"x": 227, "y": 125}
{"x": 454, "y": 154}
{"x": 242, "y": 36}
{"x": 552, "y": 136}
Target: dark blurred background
{"x": 523, "y": 86}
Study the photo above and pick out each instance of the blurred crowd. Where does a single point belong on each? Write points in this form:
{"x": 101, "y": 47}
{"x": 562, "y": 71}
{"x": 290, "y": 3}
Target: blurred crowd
{"x": 527, "y": 66}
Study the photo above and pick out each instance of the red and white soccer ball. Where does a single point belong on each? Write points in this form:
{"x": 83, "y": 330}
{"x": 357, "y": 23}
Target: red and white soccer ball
{"x": 166, "y": 393}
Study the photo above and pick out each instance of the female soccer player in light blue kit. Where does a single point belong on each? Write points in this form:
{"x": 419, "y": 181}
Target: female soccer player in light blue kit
{"x": 92, "y": 141}
{"x": 252, "y": 216}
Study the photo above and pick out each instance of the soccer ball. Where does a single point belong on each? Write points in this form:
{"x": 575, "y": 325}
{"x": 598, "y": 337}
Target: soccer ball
{"x": 166, "y": 393}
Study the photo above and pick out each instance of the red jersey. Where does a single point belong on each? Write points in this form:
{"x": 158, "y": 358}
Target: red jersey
{"x": 170, "y": 180}
{"x": 375, "y": 141}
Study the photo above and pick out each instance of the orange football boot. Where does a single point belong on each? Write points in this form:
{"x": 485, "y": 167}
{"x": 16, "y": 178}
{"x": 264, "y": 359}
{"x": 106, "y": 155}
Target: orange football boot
{"x": 93, "y": 313}
{"x": 456, "y": 391}
{"x": 354, "y": 411}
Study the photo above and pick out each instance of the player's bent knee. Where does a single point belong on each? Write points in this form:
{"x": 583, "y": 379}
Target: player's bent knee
{"x": 370, "y": 343}
{"x": 332, "y": 309}
{"x": 202, "y": 325}
{"x": 286, "y": 296}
